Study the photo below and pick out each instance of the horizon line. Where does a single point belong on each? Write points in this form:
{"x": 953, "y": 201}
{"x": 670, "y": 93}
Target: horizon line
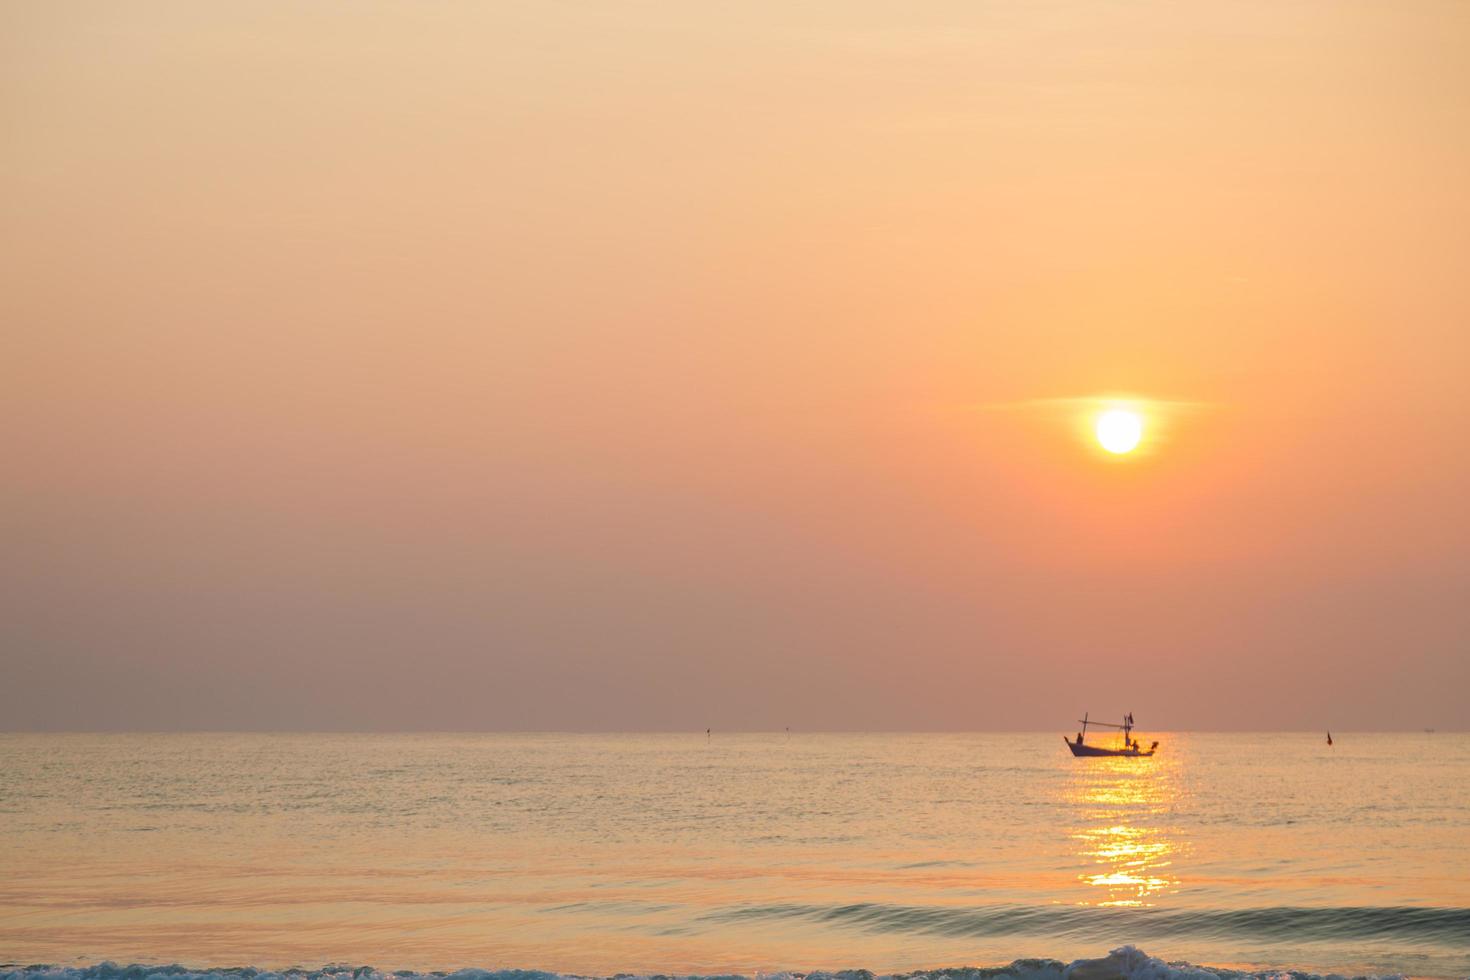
{"x": 695, "y": 731}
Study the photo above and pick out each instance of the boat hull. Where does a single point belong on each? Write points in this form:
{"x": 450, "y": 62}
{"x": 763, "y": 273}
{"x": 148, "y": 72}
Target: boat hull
{"x": 1085, "y": 750}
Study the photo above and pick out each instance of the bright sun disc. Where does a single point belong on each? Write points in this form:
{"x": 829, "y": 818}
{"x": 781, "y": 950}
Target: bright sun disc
{"x": 1118, "y": 431}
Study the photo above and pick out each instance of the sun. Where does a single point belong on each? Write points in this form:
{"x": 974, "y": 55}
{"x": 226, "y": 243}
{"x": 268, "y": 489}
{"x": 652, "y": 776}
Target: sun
{"x": 1119, "y": 430}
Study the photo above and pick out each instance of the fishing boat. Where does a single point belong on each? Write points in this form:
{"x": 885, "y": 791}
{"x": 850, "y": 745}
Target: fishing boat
{"x": 1130, "y": 749}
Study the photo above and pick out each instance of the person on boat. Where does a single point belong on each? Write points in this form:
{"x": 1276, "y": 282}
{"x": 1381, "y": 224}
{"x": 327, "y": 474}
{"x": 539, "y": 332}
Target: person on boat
{"x": 1079, "y": 738}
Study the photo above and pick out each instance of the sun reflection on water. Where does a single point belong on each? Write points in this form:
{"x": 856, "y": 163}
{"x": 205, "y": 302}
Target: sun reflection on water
{"x": 1124, "y": 839}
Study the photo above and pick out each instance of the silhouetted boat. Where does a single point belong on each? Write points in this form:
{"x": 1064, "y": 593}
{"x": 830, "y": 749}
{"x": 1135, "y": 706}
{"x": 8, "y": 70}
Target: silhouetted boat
{"x": 1130, "y": 749}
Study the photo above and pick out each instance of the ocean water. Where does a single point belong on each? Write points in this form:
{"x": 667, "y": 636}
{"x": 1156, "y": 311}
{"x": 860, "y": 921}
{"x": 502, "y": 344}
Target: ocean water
{"x": 737, "y": 854}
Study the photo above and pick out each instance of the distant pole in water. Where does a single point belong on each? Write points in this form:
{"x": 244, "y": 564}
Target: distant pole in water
{"x": 1329, "y": 738}
{"x": 706, "y": 733}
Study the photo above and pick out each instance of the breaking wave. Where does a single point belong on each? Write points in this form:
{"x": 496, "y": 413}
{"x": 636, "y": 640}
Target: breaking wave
{"x": 1124, "y": 963}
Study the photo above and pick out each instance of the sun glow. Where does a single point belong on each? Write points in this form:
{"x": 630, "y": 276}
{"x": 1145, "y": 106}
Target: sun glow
{"x": 1119, "y": 430}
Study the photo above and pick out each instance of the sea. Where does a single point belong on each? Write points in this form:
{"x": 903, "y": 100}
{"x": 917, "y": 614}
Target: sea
{"x": 532, "y": 856}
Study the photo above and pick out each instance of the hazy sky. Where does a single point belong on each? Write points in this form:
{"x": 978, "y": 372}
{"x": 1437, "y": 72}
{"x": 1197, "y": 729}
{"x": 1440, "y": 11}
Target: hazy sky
{"x": 665, "y": 365}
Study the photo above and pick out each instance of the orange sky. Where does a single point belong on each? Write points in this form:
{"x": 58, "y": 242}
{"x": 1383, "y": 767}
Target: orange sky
{"x": 604, "y": 366}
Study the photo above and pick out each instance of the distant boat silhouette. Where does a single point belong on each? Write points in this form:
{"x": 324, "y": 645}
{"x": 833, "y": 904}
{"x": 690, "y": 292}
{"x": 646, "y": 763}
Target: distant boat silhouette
{"x": 1130, "y": 748}
{"x": 1329, "y": 738}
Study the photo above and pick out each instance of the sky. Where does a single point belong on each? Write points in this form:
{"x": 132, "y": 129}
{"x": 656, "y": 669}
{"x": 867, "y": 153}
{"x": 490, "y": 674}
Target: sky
{"x": 663, "y": 366}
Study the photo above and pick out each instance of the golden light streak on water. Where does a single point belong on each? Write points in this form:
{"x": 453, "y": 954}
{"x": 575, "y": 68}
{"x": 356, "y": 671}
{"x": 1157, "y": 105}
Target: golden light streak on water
{"x": 1130, "y": 860}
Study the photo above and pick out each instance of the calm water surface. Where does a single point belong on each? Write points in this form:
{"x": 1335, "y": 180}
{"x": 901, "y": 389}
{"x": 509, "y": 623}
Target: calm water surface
{"x": 740, "y": 853}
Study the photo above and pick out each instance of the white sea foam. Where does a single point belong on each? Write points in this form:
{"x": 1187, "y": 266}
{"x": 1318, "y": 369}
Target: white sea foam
{"x": 1123, "y": 963}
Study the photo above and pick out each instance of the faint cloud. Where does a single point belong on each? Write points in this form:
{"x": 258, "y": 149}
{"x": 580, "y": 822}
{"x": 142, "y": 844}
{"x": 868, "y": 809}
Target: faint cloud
{"x": 1097, "y": 403}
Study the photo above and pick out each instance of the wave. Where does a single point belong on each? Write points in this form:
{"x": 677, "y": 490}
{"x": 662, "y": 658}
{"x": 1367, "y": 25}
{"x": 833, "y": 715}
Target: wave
{"x": 1124, "y": 963}
{"x": 1408, "y": 924}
